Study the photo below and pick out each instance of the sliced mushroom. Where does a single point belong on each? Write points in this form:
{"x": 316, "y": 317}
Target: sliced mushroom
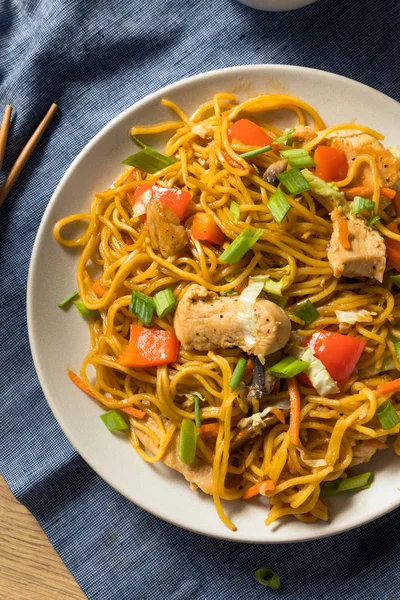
{"x": 244, "y": 435}
{"x": 275, "y": 169}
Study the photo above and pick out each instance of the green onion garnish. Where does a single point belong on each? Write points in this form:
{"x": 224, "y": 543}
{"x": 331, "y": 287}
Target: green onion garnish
{"x": 294, "y": 181}
{"x": 256, "y": 152}
{"x": 234, "y": 211}
{"x": 387, "y": 415}
{"x": 242, "y": 244}
{"x": 257, "y": 170}
{"x": 279, "y": 300}
{"x": 307, "y": 312}
{"x": 278, "y": 206}
{"x": 187, "y": 441}
{"x": 149, "y": 160}
{"x": 298, "y": 158}
{"x": 360, "y": 204}
{"x": 237, "y": 373}
{"x": 397, "y": 349}
{"x": 350, "y": 484}
{"x": 197, "y": 418}
{"x": 285, "y": 138}
{"x": 138, "y": 142}
{"x": 164, "y": 302}
{"x": 68, "y": 299}
{"x": 374, "y": 219}
{"x": 396, "y": 280}
{"x": 268, "y": 577}
{"x": 142, "y": 307}
{"x": 85, "y": 312}
{"x": 288, "y": 367}
{"x": 114, "y": 421}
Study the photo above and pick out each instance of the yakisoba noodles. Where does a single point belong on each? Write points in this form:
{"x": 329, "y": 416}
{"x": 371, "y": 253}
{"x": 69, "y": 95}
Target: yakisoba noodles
{"x": 306, "y": 296}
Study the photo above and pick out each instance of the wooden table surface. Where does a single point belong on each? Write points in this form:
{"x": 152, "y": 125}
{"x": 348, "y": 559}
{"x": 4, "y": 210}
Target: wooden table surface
{"x": 30, "y": 568}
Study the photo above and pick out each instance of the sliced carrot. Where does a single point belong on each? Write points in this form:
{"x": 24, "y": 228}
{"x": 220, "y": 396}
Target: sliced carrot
{"x": 134, "y": 412}
{"x": 344, "y": 234}
{"x": 79, "y": 383}
{"x": 98, "y": 288}
{"x": 390, "y": 387}
{"x": 248, "y": 369}
{"x": 209, "y": 430}
{"x": 149, "y": 348}
{"x": 231, "y": 161}
{"x": 367, "y": 192}
{"x": 255, "y": 489}
{"x": 279, "y": 415}
{"x": 376, "y": 444}
{"x": 294, "y": 395}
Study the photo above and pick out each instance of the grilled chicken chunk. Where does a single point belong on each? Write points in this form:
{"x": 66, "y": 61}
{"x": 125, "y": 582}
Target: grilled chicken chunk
{"x": 205, "y": 321}
{"x": 367, "y": 255}
{"x": 362, "y": 452}
{"x": 166, "y": 233}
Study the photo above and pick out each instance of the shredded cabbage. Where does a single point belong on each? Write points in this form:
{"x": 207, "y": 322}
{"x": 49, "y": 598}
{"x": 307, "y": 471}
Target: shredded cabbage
{"x": 256, "y": 420}
{"x": 316, "y": 372}
{"x": 203, "y": 129}
{"x": 246, "y": 313}
{"x": 371, "y": 370}
{"x": 317, "y": 462}
{"x": 350, "y": 317}
{"x": 272, "y": 283}
{"x": 327, "y": 190}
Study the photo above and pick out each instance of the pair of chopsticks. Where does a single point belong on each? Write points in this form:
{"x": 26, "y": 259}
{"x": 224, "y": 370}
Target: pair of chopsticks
{"x": 26, "y": 151}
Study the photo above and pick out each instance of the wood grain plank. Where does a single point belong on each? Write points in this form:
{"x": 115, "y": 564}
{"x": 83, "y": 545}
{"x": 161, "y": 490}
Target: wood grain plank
{"x": 30, "y": 568}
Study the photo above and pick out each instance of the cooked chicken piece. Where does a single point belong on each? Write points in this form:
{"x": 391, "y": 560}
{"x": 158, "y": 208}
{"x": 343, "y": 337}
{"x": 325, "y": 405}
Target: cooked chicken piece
{"x": 199, "y": 473}
{"x": 166, "y": 233}
{"x": 303, "y": 133}
{"x": 367, "y": 255}
{"x": 363, "y": 452}
{"x": 355, "y": 143}
{"x": 205, "y": 321}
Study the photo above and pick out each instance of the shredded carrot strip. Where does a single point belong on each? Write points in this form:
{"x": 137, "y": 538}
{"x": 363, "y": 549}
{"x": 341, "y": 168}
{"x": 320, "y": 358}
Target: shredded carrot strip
{"x": 279, "y": 415}
{"x": 79, "y": 383}
{"x": 239, "y": 288}
{"x": 388, "y": 388}
{"x": 255, "y": 489}
{"x": 294, "y": 395}
{"x": 376, "y": 444}
{"x": 344, "y": 234}
{"x": 98, "y": 288}
{"x": 249, "y": 369}
{"x": 367, "y": 191}
{"x": 134, "y": 412}
{"x": 209, "y": 430}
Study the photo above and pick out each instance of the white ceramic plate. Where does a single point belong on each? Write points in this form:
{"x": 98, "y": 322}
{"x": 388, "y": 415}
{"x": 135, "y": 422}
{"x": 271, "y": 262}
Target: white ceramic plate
{"x": 158, "y": 489}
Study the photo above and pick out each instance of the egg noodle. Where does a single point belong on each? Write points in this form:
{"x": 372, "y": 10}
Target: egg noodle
{"x": 117, "y": 247}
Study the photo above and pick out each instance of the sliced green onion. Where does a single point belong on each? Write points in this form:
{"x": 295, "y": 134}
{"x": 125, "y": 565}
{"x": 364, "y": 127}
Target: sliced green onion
{"x": 114, "y": 421}
{"x": 307, "y": 312}
{"x": 234, "y": 211}
{"x": 149, "y": 160}
{"x": 298, "y": 158}
{"x": 294, "y": 181}
{"x": 257, "y": 170}
{"x": 396, "y": 280}
{"x": 237, "y": 373}
{"x": 350, "y": 484}
{"x": 268, "y": 577}
{"x": 285, "y": 138}
{"x": 142, "y": 307}
{"x": 279, "y": 300}
{"x": 68, "y": 299}
{"x": 278, "y": 206}
{"x": 187, "y": 441}
{"x": 288, "y": 367}
{"x": 137, "y": 141}
{"x": 256, "y": 152}
{"x": 164, "y": 302}
{"x": 197, "y": 418}
{"x": 85, "y": 312}
{"x": 360, "y": 204}
{"x": 374, "y": 219}
{"x": 387, "y": 415}
{"x": 242, "y": 244}
{"x": 397, "y": 349}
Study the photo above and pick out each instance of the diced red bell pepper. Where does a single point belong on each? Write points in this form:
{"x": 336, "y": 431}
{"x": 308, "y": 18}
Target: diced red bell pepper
{"x": 177, "y": 200}
{"x": 205, "y": 228}
{"x": 330, "y": 163}
{"x": 149, "y": 348}
{"x": 248, "y": 133}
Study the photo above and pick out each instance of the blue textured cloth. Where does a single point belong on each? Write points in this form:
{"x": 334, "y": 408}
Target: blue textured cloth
{"x": 94, "y": 59}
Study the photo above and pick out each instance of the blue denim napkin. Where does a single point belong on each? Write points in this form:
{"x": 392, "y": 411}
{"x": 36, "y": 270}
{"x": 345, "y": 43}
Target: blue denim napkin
{"x": 94, "y": 59}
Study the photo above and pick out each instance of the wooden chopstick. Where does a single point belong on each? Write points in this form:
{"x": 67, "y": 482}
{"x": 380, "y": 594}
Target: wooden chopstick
{"x": 5, "y": 126}
{"x": 25, "y": 153}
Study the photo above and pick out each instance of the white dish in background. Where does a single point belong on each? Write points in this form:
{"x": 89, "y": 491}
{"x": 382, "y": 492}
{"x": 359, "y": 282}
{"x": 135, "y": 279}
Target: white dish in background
{"x": 158, "y": 489}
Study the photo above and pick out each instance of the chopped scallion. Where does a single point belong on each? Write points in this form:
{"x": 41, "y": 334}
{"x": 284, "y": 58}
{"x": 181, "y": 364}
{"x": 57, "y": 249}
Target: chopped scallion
{"x": 234, "y": 211}
{"x": 396, "y": 280}
{"x": 187, "y": 441}
{"x": 285, "y": 138}
{"x": 387, "y": 415}
{"x": 350, "y": 484}
{"x": 256, "y": 152}
{"x": 279, "y": 300}
{"x": 85, "y": 312}
{"x": 374, "y": 219}
{"x": 68, "y": 299}
{"x": 298, "y": 158}
{"x": 237, "y": 373}
{"x": 288, "y": 367}
{"x": 114, "y": 421}
{"x": 278, "y": 206}
{"x": 137, "y": 141}
{"x": 360, "y": 204}
{"x": 257, "y": 170}
{"x": 397, "y": 349}
{"x": 197, "y": 418}
{"x": 294, "y": 181}
{"x": 164, "y": 302}
{"x": 242, "y": 244}
{"x": 268, "y": 577}
{"x": 149, "y": 160}
{"x": 142, "y": 307}
{"x": 307, "y": 312}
